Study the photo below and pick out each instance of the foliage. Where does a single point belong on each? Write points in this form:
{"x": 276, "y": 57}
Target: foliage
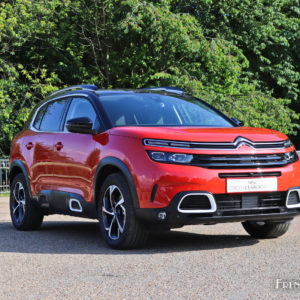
{"x": 241, "y": 56}
{"x": 267, "y": 32}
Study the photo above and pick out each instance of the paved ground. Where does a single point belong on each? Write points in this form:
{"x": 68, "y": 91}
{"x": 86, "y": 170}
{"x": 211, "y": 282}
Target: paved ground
{"x": 67, "y": 259}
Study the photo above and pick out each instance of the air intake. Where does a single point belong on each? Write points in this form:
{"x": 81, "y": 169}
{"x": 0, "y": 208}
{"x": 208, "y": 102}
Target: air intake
{"x": 197, "y": 203}
{"x": 293, "y": 199}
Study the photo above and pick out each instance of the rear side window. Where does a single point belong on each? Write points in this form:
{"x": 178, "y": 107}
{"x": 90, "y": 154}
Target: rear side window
{"x": 39, "y": 117}
{"x": 52, "y": 116}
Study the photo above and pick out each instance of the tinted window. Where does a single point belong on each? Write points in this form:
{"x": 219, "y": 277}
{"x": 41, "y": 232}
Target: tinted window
{"x": 150, "y": 109}
{"x": 52, "y": 116}
{"x": 39, "y": 117}
{"x": 81, "y": 107}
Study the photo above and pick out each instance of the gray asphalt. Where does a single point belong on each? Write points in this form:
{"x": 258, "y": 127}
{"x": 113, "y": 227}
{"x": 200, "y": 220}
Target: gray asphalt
{"x": 67, "y": 259}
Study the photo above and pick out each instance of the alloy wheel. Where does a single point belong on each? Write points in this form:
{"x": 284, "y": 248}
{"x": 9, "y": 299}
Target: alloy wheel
{"x": 113, "y": 212}
{"x": 18, "y": 203}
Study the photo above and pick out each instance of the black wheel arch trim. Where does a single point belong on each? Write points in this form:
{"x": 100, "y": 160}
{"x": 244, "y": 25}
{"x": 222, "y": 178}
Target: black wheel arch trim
{"x": 115, "y": 162}
{"x": 19, "y": 164}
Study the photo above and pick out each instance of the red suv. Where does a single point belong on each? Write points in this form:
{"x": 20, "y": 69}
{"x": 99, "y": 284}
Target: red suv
{"x": 149, "y": 159}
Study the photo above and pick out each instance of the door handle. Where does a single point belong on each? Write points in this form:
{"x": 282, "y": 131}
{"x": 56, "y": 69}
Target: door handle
{"x": 29, "y": 145}
{"x": 58, "y": 146}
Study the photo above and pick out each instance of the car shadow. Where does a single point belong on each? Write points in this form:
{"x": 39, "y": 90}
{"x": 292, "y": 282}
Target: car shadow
{"x": 80, "y": 237}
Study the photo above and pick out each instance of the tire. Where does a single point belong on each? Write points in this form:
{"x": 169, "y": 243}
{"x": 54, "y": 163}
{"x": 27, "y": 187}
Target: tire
{"x": 24, "y": 214}
{"x": 118, "y": 224}
{"x": 262, "y": 230}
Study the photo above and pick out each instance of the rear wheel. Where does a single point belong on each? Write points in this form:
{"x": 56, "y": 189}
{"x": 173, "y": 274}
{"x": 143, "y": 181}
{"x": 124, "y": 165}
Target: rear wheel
{"x": 24, "y": 214}
{"x": 118, "y": 224}
{"x": 264, "y": 229}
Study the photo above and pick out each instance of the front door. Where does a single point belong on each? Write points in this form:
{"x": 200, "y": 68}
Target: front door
{"x": 75, "y": 154}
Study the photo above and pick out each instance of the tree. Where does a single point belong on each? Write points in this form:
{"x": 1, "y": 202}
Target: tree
{"x": 46, "y": 45}
{"x": 266, "y": 31}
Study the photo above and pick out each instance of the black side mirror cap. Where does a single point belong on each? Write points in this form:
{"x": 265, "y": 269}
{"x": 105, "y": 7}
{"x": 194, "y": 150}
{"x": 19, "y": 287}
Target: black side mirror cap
{"x": 237, "y": 122}
{"x": 80, "y": 125}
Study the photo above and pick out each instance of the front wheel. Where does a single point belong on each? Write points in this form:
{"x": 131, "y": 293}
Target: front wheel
{"x": 118, "y": 224}
{"x": 264, "y": 229}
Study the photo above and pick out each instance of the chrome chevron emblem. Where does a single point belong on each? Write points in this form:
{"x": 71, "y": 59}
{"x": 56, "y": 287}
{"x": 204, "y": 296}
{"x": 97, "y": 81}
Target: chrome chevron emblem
{"x": 240, "y": 141}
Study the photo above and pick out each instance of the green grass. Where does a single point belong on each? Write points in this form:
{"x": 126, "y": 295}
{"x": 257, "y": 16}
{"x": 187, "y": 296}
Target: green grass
{"x": 4, "y": 195}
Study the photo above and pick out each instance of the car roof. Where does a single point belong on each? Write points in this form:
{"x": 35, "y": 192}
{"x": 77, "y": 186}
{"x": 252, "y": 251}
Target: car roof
{"x": 88, "y": 88}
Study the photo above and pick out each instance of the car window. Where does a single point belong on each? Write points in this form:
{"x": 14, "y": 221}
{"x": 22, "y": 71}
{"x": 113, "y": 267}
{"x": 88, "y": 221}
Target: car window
{"x": 148, "y": 109}
{"x": 81, "y": 107}
{"x": 52, "y": 115}
{"x": 39, "y": 117}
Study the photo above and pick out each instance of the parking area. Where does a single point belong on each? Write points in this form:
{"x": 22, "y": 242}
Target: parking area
{"x": 67, "y": 259}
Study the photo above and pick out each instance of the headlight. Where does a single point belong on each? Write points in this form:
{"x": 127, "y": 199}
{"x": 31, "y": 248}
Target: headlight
{"x": 287, "y": 144}
{"x": 167, "y": 157}
{"x": 291, "y": 156}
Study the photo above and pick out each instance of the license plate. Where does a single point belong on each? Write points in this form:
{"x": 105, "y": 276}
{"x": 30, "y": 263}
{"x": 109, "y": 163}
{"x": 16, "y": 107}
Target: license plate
{"x": 252, "y": 185}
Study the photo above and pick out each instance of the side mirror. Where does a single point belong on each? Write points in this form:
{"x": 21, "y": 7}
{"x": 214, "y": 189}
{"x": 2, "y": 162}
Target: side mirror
{"x": 80, "y": 125}
{"x": 237, "y": 122}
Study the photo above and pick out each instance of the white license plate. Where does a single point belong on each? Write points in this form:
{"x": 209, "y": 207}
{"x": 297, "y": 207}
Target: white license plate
{"x": 252, "y": 185}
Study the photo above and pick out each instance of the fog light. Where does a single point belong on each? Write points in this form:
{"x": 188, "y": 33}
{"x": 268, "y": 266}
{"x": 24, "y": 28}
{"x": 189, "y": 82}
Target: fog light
{"x": 162, "y": 215}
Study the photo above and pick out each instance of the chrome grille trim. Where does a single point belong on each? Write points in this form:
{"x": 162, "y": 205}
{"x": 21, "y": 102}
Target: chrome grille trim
{"x": 238, "y": 142}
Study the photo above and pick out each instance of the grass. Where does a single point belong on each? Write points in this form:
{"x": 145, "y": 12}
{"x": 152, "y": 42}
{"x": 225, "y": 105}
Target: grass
{"x": 4, "y": 194}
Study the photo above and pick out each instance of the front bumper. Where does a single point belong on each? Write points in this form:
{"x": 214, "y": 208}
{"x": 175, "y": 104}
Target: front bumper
{"x": 157, "y": 183}
{"x": 171, "y": 216}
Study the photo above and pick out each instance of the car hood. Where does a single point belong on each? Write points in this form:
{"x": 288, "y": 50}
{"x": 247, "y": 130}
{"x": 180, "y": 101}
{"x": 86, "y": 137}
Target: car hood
{"x": 197, "y": 134}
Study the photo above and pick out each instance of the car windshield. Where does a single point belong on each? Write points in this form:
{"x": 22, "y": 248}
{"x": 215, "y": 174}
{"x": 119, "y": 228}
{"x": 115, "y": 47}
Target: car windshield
{"x": 154, "y": 109}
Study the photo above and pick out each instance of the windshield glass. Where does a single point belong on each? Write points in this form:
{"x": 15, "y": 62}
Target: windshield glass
{"x": 151, "y": 109}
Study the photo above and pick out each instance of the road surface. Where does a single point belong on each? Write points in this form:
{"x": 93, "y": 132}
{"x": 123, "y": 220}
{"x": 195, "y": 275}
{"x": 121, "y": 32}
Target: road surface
{"x": 67, "y": 259}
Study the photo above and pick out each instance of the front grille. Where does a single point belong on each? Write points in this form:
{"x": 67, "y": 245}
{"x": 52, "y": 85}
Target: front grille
{"x": 249, "y": 174}
{"x": 242, "y": 161}
{"x": 250, "y": 200}
{"x": 250, "y": 212}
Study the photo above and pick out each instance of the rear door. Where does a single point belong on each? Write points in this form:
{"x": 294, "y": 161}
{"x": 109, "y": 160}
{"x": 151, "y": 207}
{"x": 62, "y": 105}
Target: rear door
{"x": 75, "y": 153}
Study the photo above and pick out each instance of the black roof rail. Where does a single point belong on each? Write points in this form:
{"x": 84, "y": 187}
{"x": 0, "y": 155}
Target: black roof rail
{"x": 170, "y": 89}
{"x": 90, "y": 87}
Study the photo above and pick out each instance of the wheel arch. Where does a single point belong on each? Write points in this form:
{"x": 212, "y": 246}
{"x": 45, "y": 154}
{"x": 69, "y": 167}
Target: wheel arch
{"x": 111, "y": 165}
{"x": 18, "y": 167}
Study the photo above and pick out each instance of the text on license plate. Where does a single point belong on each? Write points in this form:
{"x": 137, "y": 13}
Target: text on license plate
{"x": 252, "y": 185}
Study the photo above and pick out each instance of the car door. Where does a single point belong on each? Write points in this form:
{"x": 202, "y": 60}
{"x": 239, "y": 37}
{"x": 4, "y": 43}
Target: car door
{"x": 75, "y": 153}
{"x": 40, "y": 144}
